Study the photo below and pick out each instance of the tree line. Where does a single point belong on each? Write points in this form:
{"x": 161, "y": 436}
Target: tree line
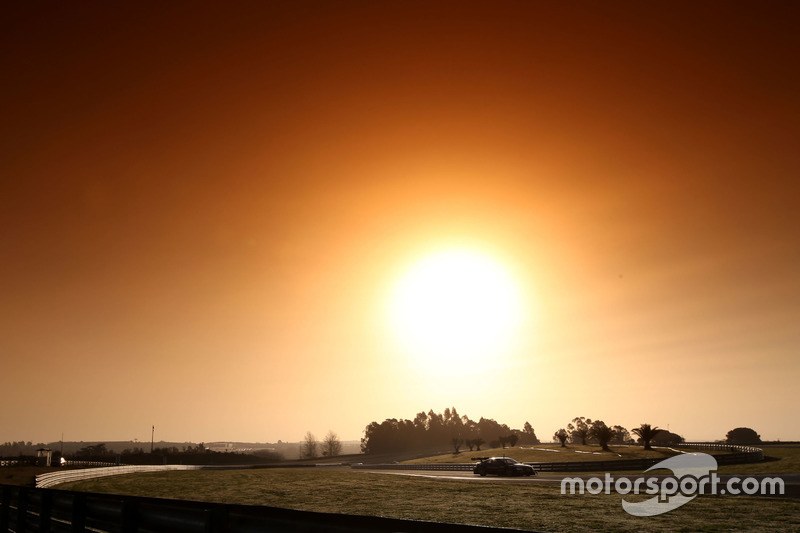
{"x": 330, "y": 446}
{"x": 582, "y": 430}
{"x": 198, "y": 455}
{"x": 427, "y": 430}
{"x": 586, "y": 431}
{"x": 431, "y": 429}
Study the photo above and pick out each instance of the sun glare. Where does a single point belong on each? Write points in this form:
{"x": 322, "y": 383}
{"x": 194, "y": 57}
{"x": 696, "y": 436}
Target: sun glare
{"x": 456, "y": 307}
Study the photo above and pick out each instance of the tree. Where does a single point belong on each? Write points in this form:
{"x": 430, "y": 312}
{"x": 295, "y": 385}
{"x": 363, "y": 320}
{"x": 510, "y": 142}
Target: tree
{"x": 429, "y": 430}
{"x": 646, "y": 433}
{"x": 96, "y": 450}
{"x": 308, "y": 449}
{"x": 742, "y": 436}
{"x": 621, "y": 435}
{"x": 561, "y": 436}
{"x": 457, "y": 443}
{"x": 579, "y": 429}
{"x": 528, "y": 435}
{"x": 331, "y": 445}
{"x": 602, "y": 433}
{"x": 490, "y": 429}
{"x": 666, "y": 438}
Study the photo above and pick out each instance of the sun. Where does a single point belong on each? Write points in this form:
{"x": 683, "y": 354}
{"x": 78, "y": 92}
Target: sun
{"x": 456, "y": 307}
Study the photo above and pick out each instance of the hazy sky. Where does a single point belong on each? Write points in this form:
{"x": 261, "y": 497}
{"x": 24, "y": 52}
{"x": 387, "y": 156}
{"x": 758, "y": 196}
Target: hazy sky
{"x": 205, "y": 209}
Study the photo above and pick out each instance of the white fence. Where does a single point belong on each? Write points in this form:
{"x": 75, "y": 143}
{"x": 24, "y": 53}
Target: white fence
{"x": 54, "y": 478}
{"x": 737, "y": 454}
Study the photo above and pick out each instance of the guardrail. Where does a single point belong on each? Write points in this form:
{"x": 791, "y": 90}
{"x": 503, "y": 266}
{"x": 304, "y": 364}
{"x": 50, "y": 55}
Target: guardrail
{"x": 574, "y": 466}
{"x": 25, "y": 509}
{"x": 417, "y": 466}
{"x": 739, "y": 454}
{"x": 68, "y": 462}
{"x": 54, "y": 478}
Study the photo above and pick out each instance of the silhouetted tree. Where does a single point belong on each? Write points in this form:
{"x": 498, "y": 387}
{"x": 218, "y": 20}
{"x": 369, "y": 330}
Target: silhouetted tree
{"x": 436, "y": 430}
{"x": 666, "y": 438}
{"x": 602, "y": 433}
{"x": 94, "y": 450}
{"x": 309, "y": 446}
{"x": 561, "y": 436}
{"x": 331, "y": 445}
{"x": 646, "y": 433}
{"x": 430, "y": 429}
{"x": 579, "y": 429}
{"x": 490, "y": 429}
{"x": 528, "y": 434}
{"x": 452, "y": 421}
{"x": 621, "y": 436}
{"x": 457, "y": 442}
{"x": 743, "y": 436}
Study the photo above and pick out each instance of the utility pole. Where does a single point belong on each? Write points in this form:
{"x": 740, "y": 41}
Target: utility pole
{"x": 152, "y": 433}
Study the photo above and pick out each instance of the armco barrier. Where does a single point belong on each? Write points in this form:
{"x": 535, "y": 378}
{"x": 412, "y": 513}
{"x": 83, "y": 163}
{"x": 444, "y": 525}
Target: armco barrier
{"x": 738, "y": 454}
{"x": 54, "y": 478}
{"x": 574, "y": 466}
{"x": 418, "y": 466}
{"x": 49, "y": 510}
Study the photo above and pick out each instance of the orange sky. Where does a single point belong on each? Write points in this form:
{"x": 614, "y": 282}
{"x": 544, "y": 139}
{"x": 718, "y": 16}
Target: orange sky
{"x": 204, "y": 209}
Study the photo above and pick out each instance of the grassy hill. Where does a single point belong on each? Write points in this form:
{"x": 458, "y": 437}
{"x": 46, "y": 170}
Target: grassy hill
{"x": 544, "y": 453}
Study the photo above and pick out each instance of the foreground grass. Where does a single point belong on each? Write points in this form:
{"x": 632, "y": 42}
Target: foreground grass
{"x": 23, "y": 475}
{"x": 488, "y": 502}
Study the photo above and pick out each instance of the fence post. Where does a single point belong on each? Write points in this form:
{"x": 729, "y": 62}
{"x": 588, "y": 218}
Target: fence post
{"x": 130, "y": 516}
{"x": 78, "y": 513}
{"x": 5, "y": 503}
{"x": 45, "y": 503}
{"x": 22, "y": 510}
{"x": 216, "y": 519}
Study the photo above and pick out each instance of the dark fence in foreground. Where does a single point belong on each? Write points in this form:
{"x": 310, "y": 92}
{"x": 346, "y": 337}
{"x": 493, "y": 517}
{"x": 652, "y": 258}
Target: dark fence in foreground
{"x": 24, "y": 509}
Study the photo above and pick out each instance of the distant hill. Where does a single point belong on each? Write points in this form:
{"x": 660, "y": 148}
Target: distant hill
{"x": 289, "y": 450}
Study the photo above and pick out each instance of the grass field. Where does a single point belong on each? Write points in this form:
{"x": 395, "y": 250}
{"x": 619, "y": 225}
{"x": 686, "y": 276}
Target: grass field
{"x": 779, "y": 459}
{"x": 490, "y": 502}
{"x": 543, "y": 453}
{"x": 22, "y": 475}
